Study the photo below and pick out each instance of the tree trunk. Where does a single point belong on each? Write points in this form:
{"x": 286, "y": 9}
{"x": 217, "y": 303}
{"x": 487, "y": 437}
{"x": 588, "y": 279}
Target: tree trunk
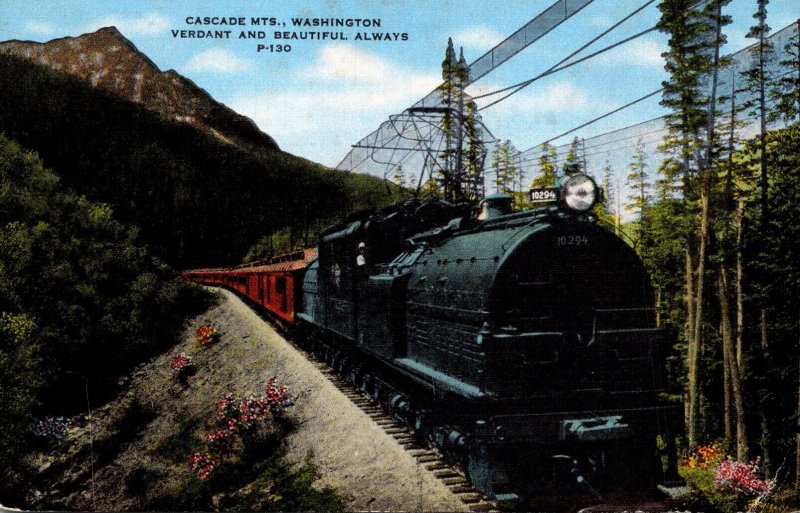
{"x": 701, "y": 265}
{"x": 739, "y": 280}
{"x": 797, "y": 438}
{"x": 699, "y": 298}
{"x": 730, "y": 361}
{"x": 727, "y": 395}
{"x": 762, "y": 102}
{"x": 765, "y": 429}
{"x": 692, "y": 357}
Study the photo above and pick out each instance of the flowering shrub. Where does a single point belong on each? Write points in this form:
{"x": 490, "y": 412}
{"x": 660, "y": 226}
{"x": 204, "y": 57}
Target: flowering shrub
{"x": 203, "y": 463}
{"x": 721, "y": 483}
{"x": 52, "y": 428}
{"x": 243, "y": 414}
{"x": 243, "y": 420}
{"x": 742, "y": 477}
{"x": 704, "y": 457}
{"x": 206, "y": 335}
{"x": 181, "y": 363}
{"x": 277, "y": 396}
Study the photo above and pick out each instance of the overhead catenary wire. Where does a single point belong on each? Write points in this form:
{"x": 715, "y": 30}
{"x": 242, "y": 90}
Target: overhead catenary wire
{"x": 722, "y": 117}
{"x": 558, "y": 66}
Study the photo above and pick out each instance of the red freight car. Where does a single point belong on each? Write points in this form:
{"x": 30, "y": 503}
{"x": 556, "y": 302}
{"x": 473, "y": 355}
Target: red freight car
{"x": 273, "y": 284}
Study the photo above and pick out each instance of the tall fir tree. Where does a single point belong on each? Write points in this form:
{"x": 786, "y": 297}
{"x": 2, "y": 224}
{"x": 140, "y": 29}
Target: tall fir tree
{"x": 639, "y": 182}
{"x": 547, "y": 176}
{"x": 576, "y": 155}
{"x": 459, "y": 121}
{"x": 785, "y": 90}
{"x": 506, "y": 168}
{"x": 694, "y": 40}
{"x": 757, "y": 80}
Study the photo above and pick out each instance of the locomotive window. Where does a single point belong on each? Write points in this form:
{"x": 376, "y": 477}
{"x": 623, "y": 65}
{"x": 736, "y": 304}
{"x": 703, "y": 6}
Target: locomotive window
{"x": 280, "y": 284}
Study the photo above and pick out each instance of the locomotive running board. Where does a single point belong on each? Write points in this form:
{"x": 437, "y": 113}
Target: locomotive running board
{"x": 420, "y": 371}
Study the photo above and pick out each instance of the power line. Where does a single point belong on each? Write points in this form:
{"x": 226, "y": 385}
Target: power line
{"x": 555, "y": 68}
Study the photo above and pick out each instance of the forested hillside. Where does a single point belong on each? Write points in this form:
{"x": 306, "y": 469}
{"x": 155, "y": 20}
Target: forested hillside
{"x": 81, "y": 299}
{"x": 718, "y": 230}
{"x": 198, "y": 201}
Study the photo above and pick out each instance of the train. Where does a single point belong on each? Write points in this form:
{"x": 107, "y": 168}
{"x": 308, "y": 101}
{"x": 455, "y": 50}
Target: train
{"x": 524, "y": 345}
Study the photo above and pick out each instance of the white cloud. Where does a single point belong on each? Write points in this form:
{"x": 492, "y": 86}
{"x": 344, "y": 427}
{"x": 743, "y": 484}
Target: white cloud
{"x": 216, "y": 60}
{"x": 478, "y": 38}
{"x": 646, "y": 52}
{"x": 557, "y": 97}
{"x": 340, "y": 61}
{"x": 344, "y": 90}
{"x": 41, "y": 28}
{"x": 150, "y": 24}
{"x": 639, "y": 52}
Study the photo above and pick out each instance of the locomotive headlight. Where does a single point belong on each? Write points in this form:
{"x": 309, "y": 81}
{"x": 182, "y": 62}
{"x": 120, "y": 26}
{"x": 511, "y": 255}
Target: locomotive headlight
{"x": 579, "y": 192}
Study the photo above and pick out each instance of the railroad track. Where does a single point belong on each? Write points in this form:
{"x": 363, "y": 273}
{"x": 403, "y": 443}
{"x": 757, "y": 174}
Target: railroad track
{"x": 428, "y": 458}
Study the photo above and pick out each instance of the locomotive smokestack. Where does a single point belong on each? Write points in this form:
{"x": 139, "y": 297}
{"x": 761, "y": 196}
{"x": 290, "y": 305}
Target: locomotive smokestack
{"x": 495, "y": 205}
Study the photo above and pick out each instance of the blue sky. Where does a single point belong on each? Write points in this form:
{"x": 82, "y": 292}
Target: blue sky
{"x": 323, "y": 96}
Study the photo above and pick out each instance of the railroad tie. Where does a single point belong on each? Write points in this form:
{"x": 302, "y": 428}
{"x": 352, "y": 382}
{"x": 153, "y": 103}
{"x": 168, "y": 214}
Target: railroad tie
{"x": 452, "y": 481}
{"x": 483, "y": 506}
{"x": 470, "y": 498}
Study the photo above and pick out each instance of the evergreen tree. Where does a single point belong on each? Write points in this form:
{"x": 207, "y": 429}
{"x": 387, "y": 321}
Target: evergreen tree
{"x": 399, "y": 176}
{"x": 609, "y": 189}
{"x": 639, "y": 182}
{"x": 459, "y": 121}
{"x": 475, "y": 154}
{"x": 506, "y": 168}
{"x": 757, "y": 79}
{"x": 785, "y": 90}
{"x": 576, "y": 155}
{"x": 694, "y": 40}
{"x": 547, "y": 167}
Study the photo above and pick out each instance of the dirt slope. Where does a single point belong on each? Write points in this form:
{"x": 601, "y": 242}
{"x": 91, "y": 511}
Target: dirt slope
{"x": 364, "y": 465}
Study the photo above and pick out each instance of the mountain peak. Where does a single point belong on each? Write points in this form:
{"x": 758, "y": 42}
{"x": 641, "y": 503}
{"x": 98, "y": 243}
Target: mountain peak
{"x": 112, "y": 63}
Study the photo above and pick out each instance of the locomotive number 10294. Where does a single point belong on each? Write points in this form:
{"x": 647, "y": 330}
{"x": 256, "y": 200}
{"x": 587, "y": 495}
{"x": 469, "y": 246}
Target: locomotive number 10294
{"x": 572, "y": 240}
{"x": 543, "y": 194}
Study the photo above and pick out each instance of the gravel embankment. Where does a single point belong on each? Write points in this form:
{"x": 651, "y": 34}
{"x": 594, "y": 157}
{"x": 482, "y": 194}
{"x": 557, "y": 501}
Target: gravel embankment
{"x": 352, "y": 454}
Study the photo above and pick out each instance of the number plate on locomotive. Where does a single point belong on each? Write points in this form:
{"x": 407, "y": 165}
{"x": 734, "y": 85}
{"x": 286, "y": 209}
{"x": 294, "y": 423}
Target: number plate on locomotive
{"x": 572, "y": 240}
{"x": 543, "y": 194}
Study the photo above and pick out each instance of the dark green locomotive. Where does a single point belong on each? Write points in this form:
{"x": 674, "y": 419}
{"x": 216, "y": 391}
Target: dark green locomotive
{"x": 523, "y": 344}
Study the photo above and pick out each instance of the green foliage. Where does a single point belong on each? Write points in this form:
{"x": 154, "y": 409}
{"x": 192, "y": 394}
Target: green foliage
{"x": 547, "y": 176}
{"x": 639, "y": 182}
{"x": 576, "y": 156}
{"x": 199, "y": 201}
{"x": 82, "y": 301}
{"x": 270, "y": 484}
{"x": 461, "y": 169}
{"x": 689, "y": 61}
{"x": 774, "y": 272}
{"x": 21, "y": 378}
{"x": 507, "y": 172}
{"x": 785, "y": 90}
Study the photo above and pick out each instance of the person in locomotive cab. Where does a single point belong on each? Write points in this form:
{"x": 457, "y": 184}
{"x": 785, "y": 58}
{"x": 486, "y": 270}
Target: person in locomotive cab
{"x": 361, "y": 259}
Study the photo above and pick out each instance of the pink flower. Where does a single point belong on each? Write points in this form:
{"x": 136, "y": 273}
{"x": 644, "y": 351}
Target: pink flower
{"x": 741, "y": 477}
